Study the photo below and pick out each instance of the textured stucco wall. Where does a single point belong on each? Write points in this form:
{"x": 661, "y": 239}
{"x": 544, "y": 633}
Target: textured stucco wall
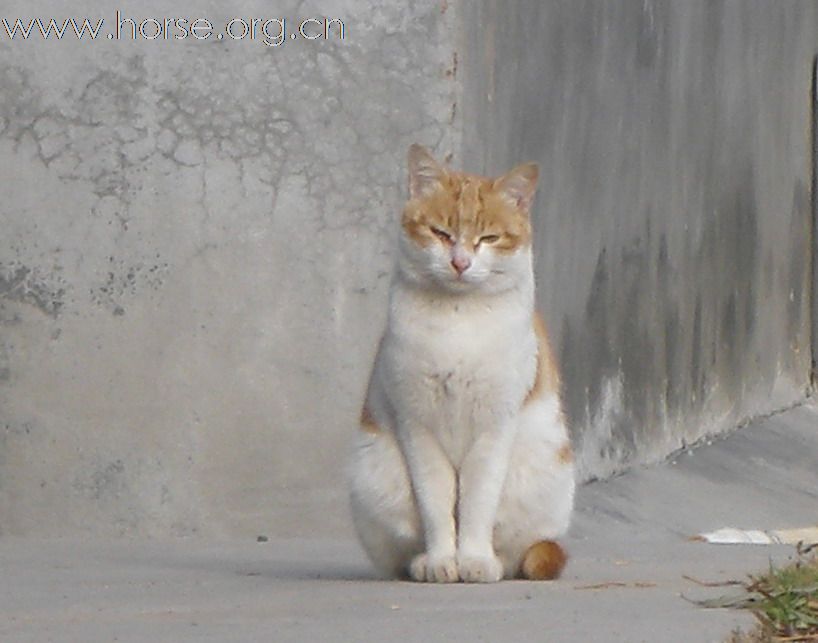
{"x": 195, "y": 249}
{"x": 196, "y": 238}
{"x": 673, "y": 221}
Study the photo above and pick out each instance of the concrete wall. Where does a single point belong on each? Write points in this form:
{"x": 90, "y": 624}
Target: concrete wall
{"x": 673, "y": 222}
{"x": 195, "y": 251}
{"x": 196, "y": 239}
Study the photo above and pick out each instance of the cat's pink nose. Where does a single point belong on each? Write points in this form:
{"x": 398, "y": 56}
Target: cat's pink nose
{"x": 461, "y": 264}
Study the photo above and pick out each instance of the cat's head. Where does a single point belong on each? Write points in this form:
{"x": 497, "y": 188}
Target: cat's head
{"x": 463, "y": 233}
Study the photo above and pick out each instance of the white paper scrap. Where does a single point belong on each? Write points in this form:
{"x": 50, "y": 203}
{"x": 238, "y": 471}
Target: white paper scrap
{"x": 733, "y": 536}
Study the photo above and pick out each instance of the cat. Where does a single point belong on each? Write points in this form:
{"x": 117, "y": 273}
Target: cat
{"x": 463, "y": 468}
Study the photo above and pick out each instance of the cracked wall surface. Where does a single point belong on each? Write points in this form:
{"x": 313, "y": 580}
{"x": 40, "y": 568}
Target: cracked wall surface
{"x": 195, "y": 250}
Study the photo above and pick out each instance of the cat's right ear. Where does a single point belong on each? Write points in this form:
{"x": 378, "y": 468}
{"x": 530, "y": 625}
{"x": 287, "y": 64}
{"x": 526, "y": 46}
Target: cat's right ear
{"x": 519, "y": 185}
{"x": 425, "y": 174}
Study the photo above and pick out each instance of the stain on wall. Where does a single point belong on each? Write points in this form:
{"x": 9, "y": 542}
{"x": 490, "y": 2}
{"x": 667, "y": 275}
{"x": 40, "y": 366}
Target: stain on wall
{"x": 673, "y": 218}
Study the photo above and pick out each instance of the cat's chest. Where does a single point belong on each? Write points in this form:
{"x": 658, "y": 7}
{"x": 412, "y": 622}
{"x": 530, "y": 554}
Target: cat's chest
{"x": 465, "y": 356}
{"x": 458, "y": 369}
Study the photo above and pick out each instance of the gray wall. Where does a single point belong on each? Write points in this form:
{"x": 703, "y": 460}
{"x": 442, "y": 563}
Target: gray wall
{"x": 196, "y": 239}
{"x": 195, "y": 251}
{"x": 673, "y": 220}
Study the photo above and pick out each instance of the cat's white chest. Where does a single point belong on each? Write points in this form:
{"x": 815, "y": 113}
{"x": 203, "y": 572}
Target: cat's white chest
{"x": 460, "y": 368}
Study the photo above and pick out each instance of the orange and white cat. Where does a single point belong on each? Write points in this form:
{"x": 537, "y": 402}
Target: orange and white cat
{"x": 463, "y": 469}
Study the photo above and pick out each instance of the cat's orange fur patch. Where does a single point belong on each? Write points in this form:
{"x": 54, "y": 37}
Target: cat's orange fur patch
{"x": 544, "y": 560}
{"x": 468, "y": 207}
{"x": 547, "y": 379}
{"x": 368, "y": 423}
{"x": 565, "y": 455}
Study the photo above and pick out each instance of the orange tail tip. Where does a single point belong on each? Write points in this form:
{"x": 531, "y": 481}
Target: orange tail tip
{"x": 543, "y": 561}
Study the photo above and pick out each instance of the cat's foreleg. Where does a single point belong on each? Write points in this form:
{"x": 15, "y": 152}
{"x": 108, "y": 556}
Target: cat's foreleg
{"x": 481, "y": 483}
{"x": 435, "y": 487}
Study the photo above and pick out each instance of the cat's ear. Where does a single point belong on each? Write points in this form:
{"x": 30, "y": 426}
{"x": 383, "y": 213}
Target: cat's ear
{"x": 519, "y": 185}
{"x": 425, "y": 173}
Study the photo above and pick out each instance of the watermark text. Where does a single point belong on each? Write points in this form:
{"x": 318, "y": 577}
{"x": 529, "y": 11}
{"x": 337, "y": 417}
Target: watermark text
{"x": 272, "y": 32}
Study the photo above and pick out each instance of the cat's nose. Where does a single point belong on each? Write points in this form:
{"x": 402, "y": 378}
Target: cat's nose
{"x": 460, "y": 263}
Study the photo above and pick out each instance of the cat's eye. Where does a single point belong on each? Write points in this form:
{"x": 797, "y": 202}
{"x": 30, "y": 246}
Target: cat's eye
{"x": 489, "y": 238}
{"x": 441, "y": 234}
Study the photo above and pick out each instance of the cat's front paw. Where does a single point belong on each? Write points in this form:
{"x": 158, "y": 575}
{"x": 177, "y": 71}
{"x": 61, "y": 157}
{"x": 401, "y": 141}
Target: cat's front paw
{"x": 479, "y": 569}
{"x": 429, "y": 569}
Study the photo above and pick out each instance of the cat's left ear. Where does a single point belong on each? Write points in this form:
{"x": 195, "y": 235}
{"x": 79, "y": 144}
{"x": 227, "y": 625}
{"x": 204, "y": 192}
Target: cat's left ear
{"x": 425, "y": 173}
{"x": 519, "y": 185}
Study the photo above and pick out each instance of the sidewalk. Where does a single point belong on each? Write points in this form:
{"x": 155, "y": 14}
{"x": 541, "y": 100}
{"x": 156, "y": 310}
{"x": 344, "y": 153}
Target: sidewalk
{"x": 629, "y": 551}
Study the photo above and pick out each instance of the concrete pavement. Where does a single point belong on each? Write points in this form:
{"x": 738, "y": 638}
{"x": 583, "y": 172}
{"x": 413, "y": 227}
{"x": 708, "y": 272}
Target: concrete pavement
{"x": 629, "y": 552}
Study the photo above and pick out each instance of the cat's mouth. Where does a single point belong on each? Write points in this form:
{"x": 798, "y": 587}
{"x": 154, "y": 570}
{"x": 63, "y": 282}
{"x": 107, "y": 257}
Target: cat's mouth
{"x": 457, "y": 283}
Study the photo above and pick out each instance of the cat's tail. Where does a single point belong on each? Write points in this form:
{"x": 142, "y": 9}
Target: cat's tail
{"x": 544, "y": 560}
